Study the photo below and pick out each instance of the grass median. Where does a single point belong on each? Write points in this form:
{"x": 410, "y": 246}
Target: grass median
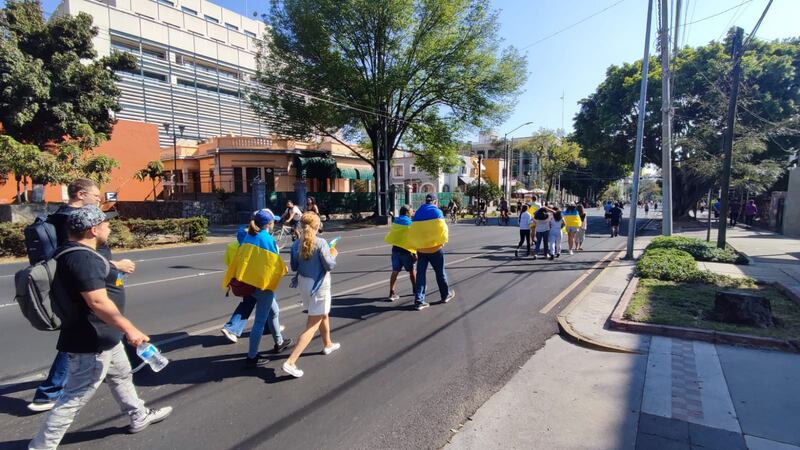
{"x": 688, "y": 304}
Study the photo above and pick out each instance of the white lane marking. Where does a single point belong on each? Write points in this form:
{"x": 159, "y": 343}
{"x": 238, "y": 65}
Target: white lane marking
{"x": 194, "y": 275}
{"x": 7, "y": 304}
{"x": 160, "y": 258}
{"x": 574, "y": 284}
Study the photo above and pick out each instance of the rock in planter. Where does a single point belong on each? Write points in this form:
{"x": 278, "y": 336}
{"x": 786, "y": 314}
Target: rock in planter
{"x": 743, "y": 309}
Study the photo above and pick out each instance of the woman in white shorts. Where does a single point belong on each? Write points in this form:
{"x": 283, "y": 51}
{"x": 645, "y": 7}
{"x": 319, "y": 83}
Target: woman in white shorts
{"x": 313, "y": 261}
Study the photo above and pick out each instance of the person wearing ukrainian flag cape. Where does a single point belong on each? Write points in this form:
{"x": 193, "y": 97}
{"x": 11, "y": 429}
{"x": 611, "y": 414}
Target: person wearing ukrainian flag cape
{"x": 403, "y": 256}
{"x": 428, "y": 234}
{"x": 258, "y": 263}
{"x": 572, "y": 219}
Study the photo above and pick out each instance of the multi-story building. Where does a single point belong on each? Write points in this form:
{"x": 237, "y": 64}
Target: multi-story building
{"x": 405, "y": 172}
{"x": 196, "y": 63}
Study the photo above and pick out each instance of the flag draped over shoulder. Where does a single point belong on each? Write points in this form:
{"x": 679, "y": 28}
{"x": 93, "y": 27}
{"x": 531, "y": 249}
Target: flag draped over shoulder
{"x": 398, "y": 233}
{"x": 256, "y": 262}
{"x": 230, "y": 249}
{"x": 428, "y": 229}
{"x": 572, "y": 219}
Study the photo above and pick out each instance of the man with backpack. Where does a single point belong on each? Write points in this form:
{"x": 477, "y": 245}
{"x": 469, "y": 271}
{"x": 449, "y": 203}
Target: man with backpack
{"x": 89, "y": 298}
{"x": 39, "y": 241}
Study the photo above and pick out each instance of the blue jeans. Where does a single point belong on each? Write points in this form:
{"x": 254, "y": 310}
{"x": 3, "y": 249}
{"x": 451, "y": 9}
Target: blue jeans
{"x": 267, "y": 314}
{"x": 240, "y": 315}
{"x": 436, "y": 260}
{"x": 542, "y": 238}
{"x": 51, "y": 389}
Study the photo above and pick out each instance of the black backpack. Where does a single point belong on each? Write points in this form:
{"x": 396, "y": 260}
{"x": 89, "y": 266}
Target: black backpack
{"x": 39, "y": 297}
{"x": 41, "y": 240}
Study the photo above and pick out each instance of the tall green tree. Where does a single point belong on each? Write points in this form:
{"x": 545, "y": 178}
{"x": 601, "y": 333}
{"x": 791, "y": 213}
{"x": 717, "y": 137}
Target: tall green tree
{"x": 767, "y": 128}
{"x": 52, "y": 81}
{"x": 397, "y": 71}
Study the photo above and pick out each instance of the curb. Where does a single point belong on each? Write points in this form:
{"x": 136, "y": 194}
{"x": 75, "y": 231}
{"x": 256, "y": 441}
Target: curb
{"x": 618, "y": 322}
{"x": 568, "y": 332}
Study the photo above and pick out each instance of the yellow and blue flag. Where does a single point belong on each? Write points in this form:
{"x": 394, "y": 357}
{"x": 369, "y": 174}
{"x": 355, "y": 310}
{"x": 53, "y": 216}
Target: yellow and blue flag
{"x": 428, "y": 229}
{"x": 572, "y": 219}
{"x": 256, "y": 262}
{"x": 398, "y": 233}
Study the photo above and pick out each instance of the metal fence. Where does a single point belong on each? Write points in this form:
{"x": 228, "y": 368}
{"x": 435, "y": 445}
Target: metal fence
{"x": 418, "y": 198}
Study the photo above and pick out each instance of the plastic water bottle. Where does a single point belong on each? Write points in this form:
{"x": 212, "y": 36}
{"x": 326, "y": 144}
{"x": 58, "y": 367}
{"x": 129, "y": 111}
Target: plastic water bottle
{"x": 152, "y": 356}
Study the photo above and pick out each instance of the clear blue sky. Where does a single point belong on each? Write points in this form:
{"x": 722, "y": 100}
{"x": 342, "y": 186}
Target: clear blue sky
{"x": 574, "y": 61}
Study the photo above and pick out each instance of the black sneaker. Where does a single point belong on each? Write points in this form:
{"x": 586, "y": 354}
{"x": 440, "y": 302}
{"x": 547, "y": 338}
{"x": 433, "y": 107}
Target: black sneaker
{"x": 419, "y": 306}
{"x": 534, "y": 256}
{"x": 283, "y": 346}
{"x": 253, "y": 363}
{"x": 516, "y": 253}
{"x": 551, "y": 257}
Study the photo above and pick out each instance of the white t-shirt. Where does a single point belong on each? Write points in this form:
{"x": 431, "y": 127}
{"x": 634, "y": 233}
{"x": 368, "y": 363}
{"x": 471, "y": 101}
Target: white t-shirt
{"x": 294, "y": 213}
{"x": 543, "y": 225}
{"x": 525, "y": 221}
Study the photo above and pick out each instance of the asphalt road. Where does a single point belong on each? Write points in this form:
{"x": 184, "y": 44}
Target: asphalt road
{"x": 402, "y": 379}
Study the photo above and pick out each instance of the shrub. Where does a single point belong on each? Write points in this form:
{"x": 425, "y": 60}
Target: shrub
{"x": 12, "y": 239}
{"x": 194, "y": 229}
{"x": 666, "y": 264}
{"x": 121, "y": 236}
{"x": 698, "y": 248}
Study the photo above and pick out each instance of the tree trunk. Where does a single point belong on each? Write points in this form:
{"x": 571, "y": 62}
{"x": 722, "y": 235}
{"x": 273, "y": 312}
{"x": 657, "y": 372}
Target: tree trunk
{"x": 153, "y": 180}
{"x": 19, "y": 193}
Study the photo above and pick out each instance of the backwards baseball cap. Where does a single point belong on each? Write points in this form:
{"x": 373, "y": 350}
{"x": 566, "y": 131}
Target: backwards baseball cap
{"x": 429, "y": 198}
{"x": 265, "y": 216}
{"x": 87, "y": 217}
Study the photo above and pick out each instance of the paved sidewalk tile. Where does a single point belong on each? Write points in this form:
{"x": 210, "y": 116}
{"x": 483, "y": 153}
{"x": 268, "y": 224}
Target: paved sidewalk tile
{"x": 756, "y": 443}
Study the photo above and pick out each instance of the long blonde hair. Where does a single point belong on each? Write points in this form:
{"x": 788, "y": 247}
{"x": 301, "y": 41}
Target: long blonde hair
{"x": 310, "y": 224}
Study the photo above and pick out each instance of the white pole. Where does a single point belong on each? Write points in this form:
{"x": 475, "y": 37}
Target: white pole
{"x": 637, "y": 165}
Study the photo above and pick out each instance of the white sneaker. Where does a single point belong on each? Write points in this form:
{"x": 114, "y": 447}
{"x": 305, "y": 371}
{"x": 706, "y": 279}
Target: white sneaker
{"x": 328, "y": 350}
{"x": 153, "y": 416}
{"x": 228, "y": 334}
{"x": 394, "y": 298}
{"x": 292, "y": 370}
{"x": 41, "y": 406}
{"x": 570, "y": 252}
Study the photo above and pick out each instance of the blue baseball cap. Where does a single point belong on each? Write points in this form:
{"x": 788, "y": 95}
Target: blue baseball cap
{"x": 87, "y": 217}
{"x": 264, "y": 216}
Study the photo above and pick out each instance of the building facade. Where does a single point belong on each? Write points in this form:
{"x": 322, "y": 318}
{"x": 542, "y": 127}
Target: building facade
{"x": 404, "y": 172}
{"x": 196, "y": 61}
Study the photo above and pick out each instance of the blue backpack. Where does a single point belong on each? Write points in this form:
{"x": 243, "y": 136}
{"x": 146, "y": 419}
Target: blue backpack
{"x": 41, "y": 240}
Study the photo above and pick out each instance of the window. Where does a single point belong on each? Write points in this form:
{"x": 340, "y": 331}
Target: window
{"x": 397, "y": 171}
{"x": 413, "y": 169}
{"x": 231, "y": 26}
{"x": 250, "y": 33}
{"x": 211, "y": 19}
{"x": 188, "y": 10}
{"x": 166, "y": 2}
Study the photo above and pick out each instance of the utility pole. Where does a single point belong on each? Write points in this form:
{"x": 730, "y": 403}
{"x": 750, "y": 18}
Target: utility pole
{"x": 677, "y": 27}
{"x": 637, "y": 165}
{"x": 666, "y": 123}
{"x": 727, "y": 142}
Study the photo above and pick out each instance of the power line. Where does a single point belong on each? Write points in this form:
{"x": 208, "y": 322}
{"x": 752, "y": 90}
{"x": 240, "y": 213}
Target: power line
{"x": 573, "y": 25}
{"x": 717, "y": 14}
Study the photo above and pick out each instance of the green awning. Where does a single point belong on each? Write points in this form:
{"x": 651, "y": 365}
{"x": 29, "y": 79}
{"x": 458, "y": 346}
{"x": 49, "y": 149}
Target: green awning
{"x": 348, "y": 173}
{"x": 316, "y": 167}
{"x": 366, "y": 174}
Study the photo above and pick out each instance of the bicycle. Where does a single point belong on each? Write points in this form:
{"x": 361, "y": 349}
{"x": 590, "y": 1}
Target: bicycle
{"x": 481, "y": 219}
{"x": 452, "y": 215}
{"x": 282, "y": 235}
{"x": 504, "y": 219}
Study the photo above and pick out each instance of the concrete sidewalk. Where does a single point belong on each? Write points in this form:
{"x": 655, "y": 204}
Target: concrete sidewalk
{"x": 664, "y": 393}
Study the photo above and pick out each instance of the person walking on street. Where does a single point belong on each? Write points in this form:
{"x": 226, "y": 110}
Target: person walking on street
{"x": 647, "y": 207}
{"x": 750, "y": 212}
{"x": 82, "y": 192}
{"x": 524, "y": 231}
{"x": 402, "y": 258}
{"x": 735, "y": 210}
{"x": 428, "y": 235}
{"x": 257, "y": 263}
{"x": 543, "y": 221}
{"x": 572, "y": 219}
{"x": 313, "y": 260}
{"x": 234, "y": 328}
{"x": 90, "y": 294}
{"x": 556, "y": 227}
{"x": 616, "y": 218}
{"x": 581, "y": 236}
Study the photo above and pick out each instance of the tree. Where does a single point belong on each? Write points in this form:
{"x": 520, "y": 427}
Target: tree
{"x": 767, "y": 126}
{"x": 488, "y": 190}
{"x": 154, "y": 170}
{"x": 20, "y": 159}
{"x": 402, "y": 72}
{"x": 53, "y": 83}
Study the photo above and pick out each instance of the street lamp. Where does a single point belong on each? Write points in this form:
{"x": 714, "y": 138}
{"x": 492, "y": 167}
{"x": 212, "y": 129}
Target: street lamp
{"x": 508, "y": 159}
{"x": 174, "y": 157}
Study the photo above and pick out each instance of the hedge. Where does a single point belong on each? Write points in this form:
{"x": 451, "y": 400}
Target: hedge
{"x": 698, "y": 248}
{"x": 666, "y": 264}
{"x": 124, "y": 233}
